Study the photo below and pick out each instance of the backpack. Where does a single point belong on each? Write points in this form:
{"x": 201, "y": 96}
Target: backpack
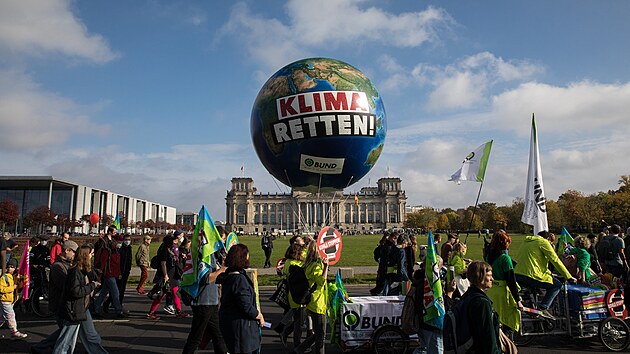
{"x": 605, "y": 249}
{"x": 410, "y": 318}
{"x": 377, "y": 253}
{"x": 155, "y": 264}
{"x": 298, "y": 285}
{"x": 456, "y": 331}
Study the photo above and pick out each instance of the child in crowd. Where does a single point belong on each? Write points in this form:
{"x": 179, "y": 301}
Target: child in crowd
{"x": 7, "y": 298}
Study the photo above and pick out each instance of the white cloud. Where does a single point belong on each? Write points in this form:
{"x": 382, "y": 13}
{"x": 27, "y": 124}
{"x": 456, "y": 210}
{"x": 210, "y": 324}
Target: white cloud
{"x": 582, "y": 127}
{"x": 582, "y": 107}
{"x": 184, "y": 176}
{"x": 35, "y": 27}
{"x": 329, "y": 24}
{"x": 31, "y": 118}
{"x": 467, "y": 82}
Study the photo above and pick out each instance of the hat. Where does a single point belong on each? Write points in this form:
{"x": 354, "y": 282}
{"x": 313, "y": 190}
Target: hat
{"x": 43, "y": 237}
{"x": 70, "y": 245}
{"x": 12, "y": 262}
{"x": 147, "y": 237}
{"x": 178, "y": 232}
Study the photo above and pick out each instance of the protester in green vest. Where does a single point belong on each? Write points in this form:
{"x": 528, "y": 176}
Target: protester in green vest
{"x": 316, "y": 270}
{"x": 532, "y": 268}
{"x": 504, "y": 292}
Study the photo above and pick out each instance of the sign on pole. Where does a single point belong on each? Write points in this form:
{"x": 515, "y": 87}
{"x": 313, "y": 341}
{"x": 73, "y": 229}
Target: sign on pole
{"x": 329, "y": 244}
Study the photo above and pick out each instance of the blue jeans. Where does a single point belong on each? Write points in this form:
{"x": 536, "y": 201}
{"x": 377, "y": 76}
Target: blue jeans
{"x": 431, "y": 342}
{"x": 49, "y": 342}
{"x": 109, "y": 287}
{"x": 85, "y": 330}
{"x": 551, "y": 289}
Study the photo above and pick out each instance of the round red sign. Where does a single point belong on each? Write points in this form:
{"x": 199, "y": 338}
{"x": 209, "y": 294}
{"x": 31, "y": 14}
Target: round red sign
{"x": 616, "y": 305}
{"x": 329, "y": 244}
{"x": 280, "y": 266}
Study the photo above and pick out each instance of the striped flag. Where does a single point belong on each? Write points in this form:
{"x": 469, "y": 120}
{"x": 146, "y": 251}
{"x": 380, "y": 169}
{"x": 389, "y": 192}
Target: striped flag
{"x": 535, "y": 208}
{"x": 205, "y": 241}
{"x": 474, "y": 165}
{"x": 433, "y": 300}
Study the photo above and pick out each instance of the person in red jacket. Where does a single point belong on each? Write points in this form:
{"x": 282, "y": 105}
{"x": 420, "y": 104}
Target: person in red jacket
{"x": 56, "y": 249}
{"x": 107, "y": 261}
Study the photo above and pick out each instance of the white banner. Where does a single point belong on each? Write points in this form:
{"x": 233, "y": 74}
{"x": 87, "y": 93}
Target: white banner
{"x": 535, "y": 209}
{"x": 321, "y": 165}
{"x": 360, "y": 318}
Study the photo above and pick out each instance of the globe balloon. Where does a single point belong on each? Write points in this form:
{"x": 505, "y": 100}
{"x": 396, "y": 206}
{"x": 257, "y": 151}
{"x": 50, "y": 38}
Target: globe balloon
{"x": 318, "y": 124}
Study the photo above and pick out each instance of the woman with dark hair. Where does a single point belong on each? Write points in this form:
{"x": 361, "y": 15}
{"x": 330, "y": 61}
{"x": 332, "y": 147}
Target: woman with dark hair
{"x": 504, "y": 291}
{"x": 483, "y": 322}
{"x": 73, "y": 310}
{"x": 239, "y": 318}
{"x": 316, "y": 270}
{"x": 410, "y": 254}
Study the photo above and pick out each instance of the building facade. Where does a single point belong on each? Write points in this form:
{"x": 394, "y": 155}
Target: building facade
{"x": 74, "y": 200}
{"x": 186, "y": 218}
{"x": 372, "y": 209}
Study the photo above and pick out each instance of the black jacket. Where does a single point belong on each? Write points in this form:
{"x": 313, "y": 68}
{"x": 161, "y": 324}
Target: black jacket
{"x": 125, "y": 261}
{"x": 238, "y": 312}
{"x": 76, "y": 296}
{"x": 56, "y": 285}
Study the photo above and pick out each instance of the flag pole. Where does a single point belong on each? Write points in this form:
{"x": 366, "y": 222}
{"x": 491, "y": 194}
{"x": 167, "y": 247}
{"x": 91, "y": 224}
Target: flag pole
{"x": 473, "y": 214}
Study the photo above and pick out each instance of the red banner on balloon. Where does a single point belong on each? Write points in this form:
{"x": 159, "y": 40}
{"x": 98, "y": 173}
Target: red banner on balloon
{"x": 329, "y": 244}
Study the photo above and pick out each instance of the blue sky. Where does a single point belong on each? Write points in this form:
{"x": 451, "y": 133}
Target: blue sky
{"x": 153, "y": 98}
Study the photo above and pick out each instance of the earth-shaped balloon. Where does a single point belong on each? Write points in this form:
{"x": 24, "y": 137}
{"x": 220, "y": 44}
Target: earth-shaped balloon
{"x": 318, "y": 124}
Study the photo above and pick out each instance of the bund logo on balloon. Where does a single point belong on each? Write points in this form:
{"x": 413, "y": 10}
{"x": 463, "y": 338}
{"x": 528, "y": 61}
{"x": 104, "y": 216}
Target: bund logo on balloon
{"x": 318, "y": 125}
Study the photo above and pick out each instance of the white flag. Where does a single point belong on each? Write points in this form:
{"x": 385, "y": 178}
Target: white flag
{"x": 535, "y": 211}
{"x": 474, "y": 165}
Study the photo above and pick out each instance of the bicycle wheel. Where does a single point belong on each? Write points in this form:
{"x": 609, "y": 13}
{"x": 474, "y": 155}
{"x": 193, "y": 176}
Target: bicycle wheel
{"x": 614, "y": 334}
{"x": 39, "y": 303}
{"x": 390, "y": 339}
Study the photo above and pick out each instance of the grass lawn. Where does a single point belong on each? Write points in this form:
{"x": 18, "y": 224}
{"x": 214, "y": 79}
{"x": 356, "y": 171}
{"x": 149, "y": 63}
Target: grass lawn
{"x": 357, "y": 250}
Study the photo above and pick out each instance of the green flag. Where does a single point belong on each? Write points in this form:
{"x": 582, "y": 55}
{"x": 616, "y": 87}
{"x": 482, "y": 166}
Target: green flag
{"x": 205, "y": 241}
{"x": 474, "y": 165}
{"x": 433, "y": 300}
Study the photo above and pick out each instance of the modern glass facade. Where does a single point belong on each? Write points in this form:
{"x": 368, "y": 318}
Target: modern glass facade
{"x": 74, "y": 201}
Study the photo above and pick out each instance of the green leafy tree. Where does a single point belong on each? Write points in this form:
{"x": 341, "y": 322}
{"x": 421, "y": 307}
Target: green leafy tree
{"x": 554, "y": 216}
{"x": 443, "y": 222}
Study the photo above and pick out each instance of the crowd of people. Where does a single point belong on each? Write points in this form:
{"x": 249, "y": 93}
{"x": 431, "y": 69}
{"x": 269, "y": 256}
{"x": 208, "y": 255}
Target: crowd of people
{"x": 88, "y": 281}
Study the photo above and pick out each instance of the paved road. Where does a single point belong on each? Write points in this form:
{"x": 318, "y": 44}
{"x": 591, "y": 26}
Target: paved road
{"x": 138, "y": 335}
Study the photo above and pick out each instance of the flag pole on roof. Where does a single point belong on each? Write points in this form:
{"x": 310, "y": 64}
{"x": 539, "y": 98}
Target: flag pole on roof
{"x": 535, "y": 208}
{"x": 474, "y": 169}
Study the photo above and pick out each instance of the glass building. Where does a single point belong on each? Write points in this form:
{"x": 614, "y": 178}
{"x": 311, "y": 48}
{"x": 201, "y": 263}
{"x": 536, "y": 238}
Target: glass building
{"x": 74, "y": 200}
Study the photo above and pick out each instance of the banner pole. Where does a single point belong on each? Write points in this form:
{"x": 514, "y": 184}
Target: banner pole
{"x": 473, "y": 214}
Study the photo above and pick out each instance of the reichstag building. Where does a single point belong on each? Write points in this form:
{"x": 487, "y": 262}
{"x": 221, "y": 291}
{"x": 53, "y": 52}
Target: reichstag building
{"x": 372, "y": 209}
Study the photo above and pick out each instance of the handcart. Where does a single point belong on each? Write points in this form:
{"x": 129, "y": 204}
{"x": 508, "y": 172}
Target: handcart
{"x": 579, "y": 312}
